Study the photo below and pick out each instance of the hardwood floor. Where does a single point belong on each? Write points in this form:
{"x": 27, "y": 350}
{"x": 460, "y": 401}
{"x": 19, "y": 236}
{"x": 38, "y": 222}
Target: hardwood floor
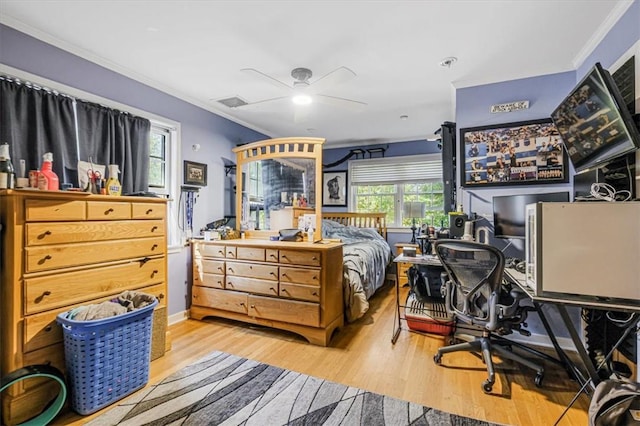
{"x": 361, "y": 355}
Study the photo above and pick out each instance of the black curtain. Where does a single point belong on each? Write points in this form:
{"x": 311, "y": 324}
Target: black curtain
{"x": 108, "y": 136}
{"x": 34, "y": 121}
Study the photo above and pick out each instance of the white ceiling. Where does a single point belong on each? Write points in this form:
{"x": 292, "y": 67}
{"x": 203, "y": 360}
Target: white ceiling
{"x": 195, "y": 50}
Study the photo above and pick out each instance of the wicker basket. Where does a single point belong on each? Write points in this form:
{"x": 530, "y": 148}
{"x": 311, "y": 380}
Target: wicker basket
{"x": 106, "y": 359}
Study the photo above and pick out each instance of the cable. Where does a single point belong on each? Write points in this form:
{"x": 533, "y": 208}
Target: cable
{"x": 606, "y": 192}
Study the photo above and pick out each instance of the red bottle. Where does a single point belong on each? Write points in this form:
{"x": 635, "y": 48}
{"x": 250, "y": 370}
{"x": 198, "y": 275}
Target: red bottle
{"x": 47, "y": 178}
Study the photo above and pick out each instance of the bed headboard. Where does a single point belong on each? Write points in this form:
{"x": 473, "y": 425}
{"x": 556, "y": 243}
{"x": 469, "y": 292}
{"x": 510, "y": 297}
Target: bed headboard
{"x": 377, "y": 221}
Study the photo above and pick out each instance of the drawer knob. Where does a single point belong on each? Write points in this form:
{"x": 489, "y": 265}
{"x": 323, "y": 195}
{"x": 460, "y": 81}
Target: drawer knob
{"x": 273, "y": 255}
{"x": 253, "y": 306}
{"x": 273, "y": 290}
{"x": 241, "y": 303}
{"x": 110, "y": 210}
{"x": 144, "y": 260}
{"x": 315, "y": 293}
{"x": 161, "y": 296}
{"x": 220, "y": 252}
{"x": 314, "y": 258}
{"x": 229, "y": 283}
{"x": 149, "y": 211}
{"x": 284, "y": 290}
{"x": 275, "y": 275}
{"x": 220, "y": 269}
{"x": 44, "y": 259}
{"x": 153, "y": 247}
{"x": 284, "y": 256}
{"x": 230, "y": 269}
{"x": 42, "y": 296}
{"x": 195, "y": 296}
{"x": 314, "y": 278}
{"x": 44, "y": 234}
{"x": 284, "y": 274}
{"x": 154, "y": 229}
{"x": 153, "y": 273}
{"x": 48, "y": 328}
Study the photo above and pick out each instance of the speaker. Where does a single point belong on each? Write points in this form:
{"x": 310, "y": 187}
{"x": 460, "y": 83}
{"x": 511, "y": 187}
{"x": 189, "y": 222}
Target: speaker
{"x": 457, "y": 222}
{"x": 448, "y": 134}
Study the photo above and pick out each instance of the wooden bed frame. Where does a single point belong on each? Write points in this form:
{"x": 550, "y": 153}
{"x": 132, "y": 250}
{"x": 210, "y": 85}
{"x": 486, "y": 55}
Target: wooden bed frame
{"x": 378, "y": 221}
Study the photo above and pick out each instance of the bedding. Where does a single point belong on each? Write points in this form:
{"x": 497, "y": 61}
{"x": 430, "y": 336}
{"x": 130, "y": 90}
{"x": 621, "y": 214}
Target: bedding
{"x": 366, "y": 257}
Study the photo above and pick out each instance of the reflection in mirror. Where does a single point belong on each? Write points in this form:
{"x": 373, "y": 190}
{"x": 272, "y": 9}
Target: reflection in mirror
{"x": 276, "y": 192}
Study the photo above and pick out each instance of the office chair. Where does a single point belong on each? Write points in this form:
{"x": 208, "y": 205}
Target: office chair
{"x": 476, "y": 296}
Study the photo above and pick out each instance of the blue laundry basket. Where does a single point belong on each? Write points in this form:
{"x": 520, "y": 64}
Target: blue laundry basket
{"x": 106, "y": 359}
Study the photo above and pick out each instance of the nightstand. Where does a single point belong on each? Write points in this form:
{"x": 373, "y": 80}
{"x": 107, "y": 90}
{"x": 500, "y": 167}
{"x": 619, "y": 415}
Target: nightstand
{"x": 402, "y": 267}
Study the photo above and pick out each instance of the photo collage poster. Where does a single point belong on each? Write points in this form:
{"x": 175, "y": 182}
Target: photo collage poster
{"x": 518, "y": 153}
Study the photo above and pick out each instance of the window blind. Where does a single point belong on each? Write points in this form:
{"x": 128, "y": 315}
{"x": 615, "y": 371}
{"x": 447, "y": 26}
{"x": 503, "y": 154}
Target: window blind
{"x": 396, "y": 169}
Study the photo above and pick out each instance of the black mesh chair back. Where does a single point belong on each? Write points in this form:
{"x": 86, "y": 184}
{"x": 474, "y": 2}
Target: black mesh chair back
{"x": 475, "y": 280}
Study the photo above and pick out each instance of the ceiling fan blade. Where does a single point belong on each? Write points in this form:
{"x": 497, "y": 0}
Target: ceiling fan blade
{"x": 334, "y": 78}
{"x": 262, "y": 103}
{"x": 341, "y": 102}
{"x": 267, "y": 78}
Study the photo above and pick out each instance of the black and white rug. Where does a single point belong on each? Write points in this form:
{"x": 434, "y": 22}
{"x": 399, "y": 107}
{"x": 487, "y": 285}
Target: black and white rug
{"x": 224, "y": 389}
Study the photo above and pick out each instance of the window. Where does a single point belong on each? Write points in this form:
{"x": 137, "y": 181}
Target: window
{"x": 164, "y": 173}
{"x": 160, "y": 141}
{"x": 385, "y": 184}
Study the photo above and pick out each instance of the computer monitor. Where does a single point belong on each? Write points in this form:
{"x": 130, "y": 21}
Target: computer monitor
{"x": 509, "y": 212}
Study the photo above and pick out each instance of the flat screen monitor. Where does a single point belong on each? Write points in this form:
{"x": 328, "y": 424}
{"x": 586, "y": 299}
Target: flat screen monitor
{"x": 509, "y": 212}
{"x": 594, "y": 122}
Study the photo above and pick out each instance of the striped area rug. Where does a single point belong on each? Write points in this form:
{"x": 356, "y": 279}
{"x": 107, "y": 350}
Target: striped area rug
{"x": 223, "y": 389}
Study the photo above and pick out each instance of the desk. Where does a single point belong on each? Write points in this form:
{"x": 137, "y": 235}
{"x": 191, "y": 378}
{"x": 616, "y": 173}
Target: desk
{"x": 427, "y": 260}
{"x": 561, "y": 301}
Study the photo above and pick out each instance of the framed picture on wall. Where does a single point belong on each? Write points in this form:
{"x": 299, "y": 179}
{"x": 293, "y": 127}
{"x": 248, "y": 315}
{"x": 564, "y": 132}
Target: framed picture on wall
{"x": 334, "y": 189}
{"x": 195, "y": 173}
{"x": 520, "y": 153}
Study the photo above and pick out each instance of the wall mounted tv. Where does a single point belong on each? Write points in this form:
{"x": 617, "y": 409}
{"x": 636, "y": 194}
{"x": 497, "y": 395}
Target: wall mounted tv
{"x": 594, "y": 123}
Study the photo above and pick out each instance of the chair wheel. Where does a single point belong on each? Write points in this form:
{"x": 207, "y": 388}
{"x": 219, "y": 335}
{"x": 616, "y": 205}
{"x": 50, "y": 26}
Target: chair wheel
{"x": 437, "y": 358}
{"x": 487, "y": 386}
{"x": 538, "y": 379}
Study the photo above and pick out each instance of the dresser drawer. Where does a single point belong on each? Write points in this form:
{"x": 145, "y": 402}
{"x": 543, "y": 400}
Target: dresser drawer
{"x": 302, "y": 313}
{"x": 252, "y": 285}
{"x": 49, "y": 292}
{"x": 300, "y": 275}
{"x": 252, "y": 270}
{"x": 148, "y": 211}
{"x": 54, "y": 210}
{"x": 219, "y": 299}
{"x": 39, "y": 234}
{"x": 210, "y": 250}
{"x": 230, "y": 252}
{"x": 64, "y": 255}
{"x": 52, "y": 355}
{"x": 271, "y": 255}
{"x": 210, "y": 280}
{"x": 250, "y": 253}
{"x": 307, "y": 258}
{"x": 41, "y": 330}
{"x": 297, "y": 291}
{"x": 212, "y": 266}
{"x": 101, "y": 210}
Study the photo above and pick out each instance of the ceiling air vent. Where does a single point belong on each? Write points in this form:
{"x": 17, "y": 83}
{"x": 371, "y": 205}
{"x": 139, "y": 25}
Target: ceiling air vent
{"x": 233, "y": 102}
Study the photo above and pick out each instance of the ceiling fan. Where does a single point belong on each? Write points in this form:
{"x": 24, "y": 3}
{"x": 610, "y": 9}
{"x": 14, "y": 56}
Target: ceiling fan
{"x": 303, "y": 91}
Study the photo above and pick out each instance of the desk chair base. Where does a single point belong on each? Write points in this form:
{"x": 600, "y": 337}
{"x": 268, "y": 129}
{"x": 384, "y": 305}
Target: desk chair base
{"x": 485, "y": 346}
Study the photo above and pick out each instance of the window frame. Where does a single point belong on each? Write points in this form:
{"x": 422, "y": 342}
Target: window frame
{"x": 399, "y": 183}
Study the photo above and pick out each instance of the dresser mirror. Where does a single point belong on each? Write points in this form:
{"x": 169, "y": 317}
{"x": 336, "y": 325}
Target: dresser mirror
{"x": 278, "y": 181}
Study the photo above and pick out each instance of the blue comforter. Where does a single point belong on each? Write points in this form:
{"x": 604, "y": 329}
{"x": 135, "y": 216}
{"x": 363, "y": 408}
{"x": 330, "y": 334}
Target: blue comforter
{"x": 366, "y": 256}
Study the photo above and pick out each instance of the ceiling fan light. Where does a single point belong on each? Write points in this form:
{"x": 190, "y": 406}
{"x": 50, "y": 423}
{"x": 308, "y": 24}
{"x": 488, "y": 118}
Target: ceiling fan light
{"x": 301, "y": 99}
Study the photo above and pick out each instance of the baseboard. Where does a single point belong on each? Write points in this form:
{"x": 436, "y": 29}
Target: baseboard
{"x": 178, "y": 317}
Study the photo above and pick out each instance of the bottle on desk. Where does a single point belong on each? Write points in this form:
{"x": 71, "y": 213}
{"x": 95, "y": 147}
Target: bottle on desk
{"x": 7, "y": 175}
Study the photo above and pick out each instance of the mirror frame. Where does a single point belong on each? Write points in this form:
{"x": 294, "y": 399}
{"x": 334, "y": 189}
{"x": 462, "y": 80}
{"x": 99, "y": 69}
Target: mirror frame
{"x": 294, "y": 147}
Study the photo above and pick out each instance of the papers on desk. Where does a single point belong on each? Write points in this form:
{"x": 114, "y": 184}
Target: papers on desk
{"x": 425, "y": 259}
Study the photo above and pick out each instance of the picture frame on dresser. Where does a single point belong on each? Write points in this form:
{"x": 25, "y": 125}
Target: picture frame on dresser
{"x": 518, "y": 153}
{"x": 195, "y": 173}
{"x": 334, "y": 188}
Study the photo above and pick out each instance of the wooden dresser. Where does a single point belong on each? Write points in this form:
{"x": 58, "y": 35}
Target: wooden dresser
{"x": 67, "y": 249}
{"x": 286, "y": 285}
